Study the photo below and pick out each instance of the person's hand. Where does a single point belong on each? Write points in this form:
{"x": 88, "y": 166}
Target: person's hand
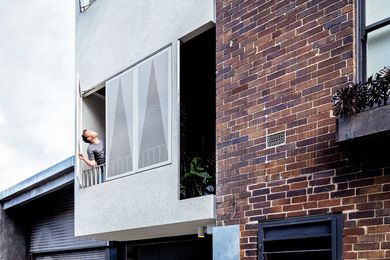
{"x": 81, "y": 156}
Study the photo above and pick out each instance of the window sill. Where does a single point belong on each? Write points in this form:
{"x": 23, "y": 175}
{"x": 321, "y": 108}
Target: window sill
{"x": 371, "y": 123}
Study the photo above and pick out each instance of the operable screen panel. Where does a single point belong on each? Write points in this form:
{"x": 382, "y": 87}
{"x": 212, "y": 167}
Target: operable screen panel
{"x": 138, "y": 116}
{"x": 153, "y": 110}
{"x": 120, "y": 123}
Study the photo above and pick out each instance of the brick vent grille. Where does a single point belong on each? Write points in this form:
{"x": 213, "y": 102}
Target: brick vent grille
{"x": 276, "y": 139}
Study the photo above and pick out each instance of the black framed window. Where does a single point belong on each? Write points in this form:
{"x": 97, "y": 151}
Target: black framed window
{"x": 374, "y": 34}
{"x": 306, "y": 238}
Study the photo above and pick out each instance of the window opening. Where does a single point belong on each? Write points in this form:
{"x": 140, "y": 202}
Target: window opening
{"x": 94, "y": 114}
{"x": 197, "y": 114}
{"x": 133, "y": 115}
{"x": 374, "y": 36}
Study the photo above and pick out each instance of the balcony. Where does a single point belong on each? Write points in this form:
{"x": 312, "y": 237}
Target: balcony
{"x": 136, "y": 194}
{"x": 140, "y": 206}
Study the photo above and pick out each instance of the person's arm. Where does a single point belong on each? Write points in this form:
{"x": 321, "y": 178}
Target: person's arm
{"x": 90, "y": 163}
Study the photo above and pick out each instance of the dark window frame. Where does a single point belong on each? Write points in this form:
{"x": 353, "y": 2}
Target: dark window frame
{"x": 362, "y": 34}
{"x": 336, "y": 221}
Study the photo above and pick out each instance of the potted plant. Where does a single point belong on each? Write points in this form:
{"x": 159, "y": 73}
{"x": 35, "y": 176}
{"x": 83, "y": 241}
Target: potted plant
{"x": 355, "y": 98}
{"x": 198, "y": 178}
{"x": 351, "y": 105}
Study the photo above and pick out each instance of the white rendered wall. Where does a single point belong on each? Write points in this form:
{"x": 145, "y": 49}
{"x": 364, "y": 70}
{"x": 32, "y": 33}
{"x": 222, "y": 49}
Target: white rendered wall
{"x": 113, "y": 36}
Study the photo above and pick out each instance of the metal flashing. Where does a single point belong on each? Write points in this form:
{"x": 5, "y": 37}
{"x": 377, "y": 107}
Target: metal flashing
{"x": 40, "y": 183}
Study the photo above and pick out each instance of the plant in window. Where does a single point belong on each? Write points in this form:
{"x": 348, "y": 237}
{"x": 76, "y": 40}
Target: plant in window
{"x": 378, "y": 88}
{"x": 349, "y": 100}
{"x": 198, "y": 179}
{"x": 354, "y": 98}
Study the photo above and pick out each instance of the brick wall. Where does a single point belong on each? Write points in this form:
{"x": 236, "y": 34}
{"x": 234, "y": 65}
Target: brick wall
{"x": 278, "y": 63}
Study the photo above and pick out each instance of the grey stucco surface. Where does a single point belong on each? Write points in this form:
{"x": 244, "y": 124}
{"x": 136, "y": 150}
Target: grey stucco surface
{"x": 113, "y": 36}
{"x": 226, "y": 243}
{"x": 12, "y": 239}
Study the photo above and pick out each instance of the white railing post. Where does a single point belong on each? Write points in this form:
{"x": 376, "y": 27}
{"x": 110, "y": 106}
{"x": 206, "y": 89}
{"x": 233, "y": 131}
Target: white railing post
{"x": 93, "y": 176}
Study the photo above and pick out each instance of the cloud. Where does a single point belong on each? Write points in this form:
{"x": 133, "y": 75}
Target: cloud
{"x": 3, "y": 120}
{"x": 37, "y": 89}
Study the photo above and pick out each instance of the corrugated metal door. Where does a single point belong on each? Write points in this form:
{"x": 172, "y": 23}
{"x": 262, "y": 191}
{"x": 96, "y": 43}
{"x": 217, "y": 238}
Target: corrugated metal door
{"x": 53, "y": 228}
{"x": 101, "y": 254}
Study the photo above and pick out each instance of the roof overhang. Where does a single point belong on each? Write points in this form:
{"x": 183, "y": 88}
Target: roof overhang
{"x": 45, "y": 182}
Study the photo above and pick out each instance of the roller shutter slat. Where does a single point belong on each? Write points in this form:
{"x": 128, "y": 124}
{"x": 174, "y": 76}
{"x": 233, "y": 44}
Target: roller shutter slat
{"x": 101, "y": 254}
{"x": 55, "y": 230}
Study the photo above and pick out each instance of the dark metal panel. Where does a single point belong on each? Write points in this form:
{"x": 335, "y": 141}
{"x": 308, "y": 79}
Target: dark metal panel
{"x": 297, "y": 231}
{"x": 53, "y": 228}
{"x": 305, "y": 237}
{"x": 100, "y": 254}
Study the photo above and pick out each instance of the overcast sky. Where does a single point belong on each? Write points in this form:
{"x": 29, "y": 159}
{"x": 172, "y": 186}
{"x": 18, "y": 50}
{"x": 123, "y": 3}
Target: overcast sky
{"x": 37, "y": 86}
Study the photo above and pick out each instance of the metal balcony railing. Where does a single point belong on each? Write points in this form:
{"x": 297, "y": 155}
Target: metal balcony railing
{"x": 153, "y": 155}
{"x": 93, "y": 176}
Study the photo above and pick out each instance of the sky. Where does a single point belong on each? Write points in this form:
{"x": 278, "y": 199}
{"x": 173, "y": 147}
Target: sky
{"x": 36, "y": 86}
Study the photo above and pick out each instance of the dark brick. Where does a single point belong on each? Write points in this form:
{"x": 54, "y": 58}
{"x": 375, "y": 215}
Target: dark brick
{"x": 295, "y": 193}
{"x": 261, "y": 192}
{"x": 326, "y": 188}
{"x": 361, "y": 214}
{"x": 275, "y": 196}
{"x": 344, "y": 193}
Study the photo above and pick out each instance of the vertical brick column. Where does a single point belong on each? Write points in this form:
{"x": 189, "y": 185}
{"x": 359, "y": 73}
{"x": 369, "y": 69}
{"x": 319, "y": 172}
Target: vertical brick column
{"x": 278, "y": 64}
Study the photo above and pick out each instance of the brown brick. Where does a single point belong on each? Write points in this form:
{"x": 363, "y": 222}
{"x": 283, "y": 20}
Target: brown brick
{"x": 366, "y": 246}
{"x": 318, "y": 197}
{"x": 371, "y": 254}
{"x": 370, "y": 222}
{"x": 278, "y": 64}
{"x": 379, "y": 229}
{"x": 329, "y": 203}
{"x": 354, "y": 231}
{"x": 385, "y": 245}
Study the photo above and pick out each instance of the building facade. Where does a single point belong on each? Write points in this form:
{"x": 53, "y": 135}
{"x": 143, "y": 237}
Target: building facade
{"x": 174, "y": 85}
{"x": 37, "y": 219}
{"x": 301, "y": 183}
{"x": 133, "y": 59}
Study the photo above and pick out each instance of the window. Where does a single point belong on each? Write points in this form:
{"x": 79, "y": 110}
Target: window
{"x": 375, "y": 36}
{"x": 138, "y": 118}
{"x": 318, "y": 237}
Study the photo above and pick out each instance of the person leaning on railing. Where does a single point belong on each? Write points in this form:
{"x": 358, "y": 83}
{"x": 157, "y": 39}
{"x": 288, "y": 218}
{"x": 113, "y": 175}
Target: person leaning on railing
{"x": 96, "y": 150}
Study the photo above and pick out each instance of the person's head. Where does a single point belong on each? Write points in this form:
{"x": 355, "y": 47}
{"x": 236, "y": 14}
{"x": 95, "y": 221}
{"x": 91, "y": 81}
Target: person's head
{"x": 88, "y": 136}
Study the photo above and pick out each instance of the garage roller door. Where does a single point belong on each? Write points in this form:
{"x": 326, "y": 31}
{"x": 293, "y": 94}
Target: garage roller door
{"x": 102, "y": 254}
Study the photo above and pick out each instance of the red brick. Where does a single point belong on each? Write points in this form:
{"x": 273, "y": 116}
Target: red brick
{"x": 278, "y": 64}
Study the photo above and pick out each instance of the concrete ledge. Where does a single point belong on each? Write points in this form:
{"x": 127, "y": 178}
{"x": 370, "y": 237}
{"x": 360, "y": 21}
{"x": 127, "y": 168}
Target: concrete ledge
{"x": 368, "y": 123}
{"x": 168, "y": 230}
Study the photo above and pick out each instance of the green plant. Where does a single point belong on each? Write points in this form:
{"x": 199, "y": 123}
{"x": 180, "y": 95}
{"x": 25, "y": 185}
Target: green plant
{"x": 198, "y": 178}
{"x": 354, "y": 98}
